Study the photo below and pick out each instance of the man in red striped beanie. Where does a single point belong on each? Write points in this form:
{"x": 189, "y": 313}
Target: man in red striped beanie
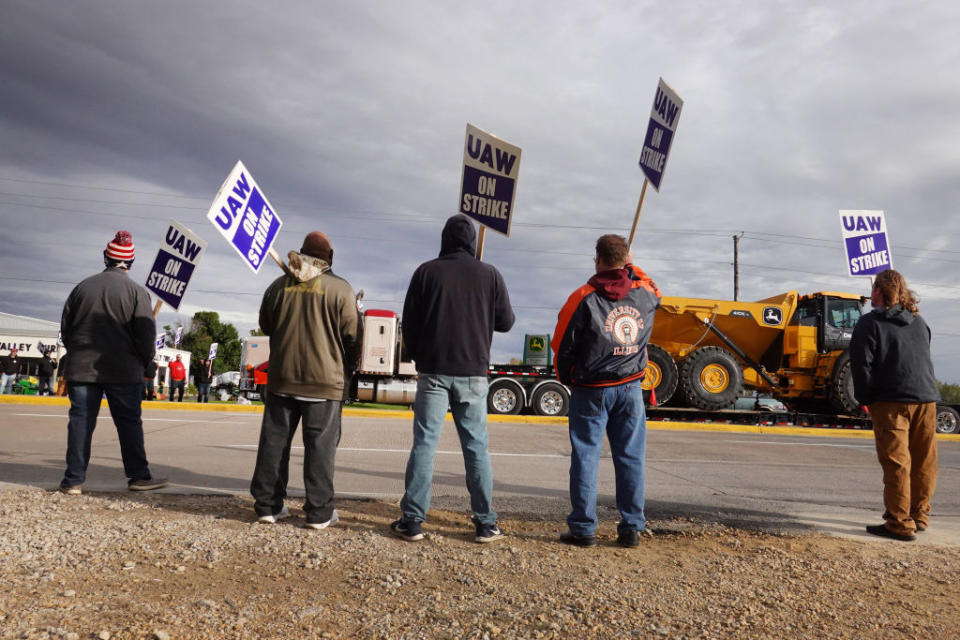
{"x": 109, "y": 330}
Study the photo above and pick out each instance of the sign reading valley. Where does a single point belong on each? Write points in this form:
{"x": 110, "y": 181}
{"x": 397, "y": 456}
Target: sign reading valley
{"x": 488, "y": 186}
{"x": 243, "y": 215}
{"x": 179, "y": 252}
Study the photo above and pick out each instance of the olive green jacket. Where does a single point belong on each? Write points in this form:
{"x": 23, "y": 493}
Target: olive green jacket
{"x": 315, "y": 332}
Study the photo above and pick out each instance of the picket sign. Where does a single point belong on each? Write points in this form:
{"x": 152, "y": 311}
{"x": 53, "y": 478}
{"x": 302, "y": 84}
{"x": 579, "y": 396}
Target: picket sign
{"x": 661, "y": 129}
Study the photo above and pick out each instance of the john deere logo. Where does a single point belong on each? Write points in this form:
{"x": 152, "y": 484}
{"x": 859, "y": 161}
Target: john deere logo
{"x": 772, "y": 316}
{"x": 537, "y": 343}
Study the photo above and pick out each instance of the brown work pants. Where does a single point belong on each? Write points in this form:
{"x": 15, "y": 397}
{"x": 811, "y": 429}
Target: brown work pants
{"x": 905, "y": 433}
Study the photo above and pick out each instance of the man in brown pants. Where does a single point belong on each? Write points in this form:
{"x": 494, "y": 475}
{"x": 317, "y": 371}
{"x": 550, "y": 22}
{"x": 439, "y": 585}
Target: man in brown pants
{"x": 893, "y": 376}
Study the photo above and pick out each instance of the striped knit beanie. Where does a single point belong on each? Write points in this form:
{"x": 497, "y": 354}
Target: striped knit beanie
{"x": 120, "y": 249}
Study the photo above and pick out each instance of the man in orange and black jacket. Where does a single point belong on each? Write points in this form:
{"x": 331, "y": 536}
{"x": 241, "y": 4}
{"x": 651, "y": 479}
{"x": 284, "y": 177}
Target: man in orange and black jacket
{"x": 600, "y": 350}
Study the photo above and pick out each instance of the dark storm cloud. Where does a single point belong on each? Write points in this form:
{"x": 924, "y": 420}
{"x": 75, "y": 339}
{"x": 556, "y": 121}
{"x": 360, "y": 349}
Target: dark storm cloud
{"x": 351, "y": 117}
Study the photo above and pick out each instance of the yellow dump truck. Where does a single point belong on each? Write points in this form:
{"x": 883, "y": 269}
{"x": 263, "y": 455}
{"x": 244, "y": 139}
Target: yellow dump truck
{"x": 704, "y": 353}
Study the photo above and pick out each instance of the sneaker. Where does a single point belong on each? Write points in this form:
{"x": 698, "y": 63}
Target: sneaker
{"x": 921, "y": 528}
{"x": 75, "y": 490}
{"x": 147, "y": 485}
{"x": 334, "y": 519}
{"x": 568, "y": 537}
{"x": 487, "y": 533}
{"x": 628, "y": 538}
{"x": 283, "y": 514}
{"x": 882, "y": 531}
{"x": 406, "y": 529}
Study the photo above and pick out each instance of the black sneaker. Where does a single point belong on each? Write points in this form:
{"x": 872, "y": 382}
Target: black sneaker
{"x": 147, "y": 485}
{"x": 406, "y": 529}
{"x": 568, "y": 537}
{"x": 629, "y": 538}
{"x": 882, "y": 531}
{"x": 487, "y": 533}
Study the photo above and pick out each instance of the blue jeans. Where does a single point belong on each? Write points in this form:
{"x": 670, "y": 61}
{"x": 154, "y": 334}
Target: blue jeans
{"x": 6, "y": 382}
{"x": 124, "y": 403}
{"x": 203, "y": 391}
{"x": 619, "y": 412}
{"x": 467, "y": 398}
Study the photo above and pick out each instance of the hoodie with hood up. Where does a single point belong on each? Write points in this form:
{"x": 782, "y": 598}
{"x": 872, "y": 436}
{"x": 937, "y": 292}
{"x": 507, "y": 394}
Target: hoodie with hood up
{"x": 603, "y": 329}
{"x": 890, "y": 358}
{"x": 454, "y": 304}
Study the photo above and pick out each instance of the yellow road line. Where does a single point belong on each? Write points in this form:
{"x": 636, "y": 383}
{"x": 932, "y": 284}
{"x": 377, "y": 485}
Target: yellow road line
{"x": 653, "y": 425}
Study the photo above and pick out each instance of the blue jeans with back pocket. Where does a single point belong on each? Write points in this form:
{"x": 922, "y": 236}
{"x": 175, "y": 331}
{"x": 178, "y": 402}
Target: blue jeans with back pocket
{"x": 467, "y": 399}
{"x": 617, "y": 411}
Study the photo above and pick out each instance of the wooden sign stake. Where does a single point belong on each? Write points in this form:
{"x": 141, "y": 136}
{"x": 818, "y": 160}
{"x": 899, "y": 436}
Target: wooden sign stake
{"x": 156, "y": 309}
{"x": 483, "y": 233}
{"x": 636, "y": 217}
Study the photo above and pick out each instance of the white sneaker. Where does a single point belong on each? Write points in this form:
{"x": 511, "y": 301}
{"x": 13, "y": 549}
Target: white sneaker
{"x": 283, "y": 515}
{"x": 334, "y": 519}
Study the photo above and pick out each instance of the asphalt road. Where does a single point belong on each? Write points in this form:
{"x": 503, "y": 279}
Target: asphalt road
{"x": 770, "y": 482}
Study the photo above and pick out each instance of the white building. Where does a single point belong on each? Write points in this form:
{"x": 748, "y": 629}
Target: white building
{"x": 32, "y": 338}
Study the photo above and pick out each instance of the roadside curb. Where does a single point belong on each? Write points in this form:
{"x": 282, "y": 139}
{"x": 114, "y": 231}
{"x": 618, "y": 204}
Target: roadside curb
{"x": 653, "y": 425}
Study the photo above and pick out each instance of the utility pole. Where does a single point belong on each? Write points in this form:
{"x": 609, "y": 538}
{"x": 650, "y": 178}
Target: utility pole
{"x": 736, "y": 265}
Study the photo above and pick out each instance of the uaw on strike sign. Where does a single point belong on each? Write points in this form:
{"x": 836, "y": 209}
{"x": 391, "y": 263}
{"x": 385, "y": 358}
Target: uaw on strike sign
{"x": 242, "y": 215}
{"x": 177, "y": 257}
{"x": 865, "y": 240}
{"x": 664, "y": 118}
{"x": 489, "y": 183}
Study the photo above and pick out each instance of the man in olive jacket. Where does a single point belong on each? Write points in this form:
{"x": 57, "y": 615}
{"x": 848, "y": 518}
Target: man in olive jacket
{"x": 315, "y": 333}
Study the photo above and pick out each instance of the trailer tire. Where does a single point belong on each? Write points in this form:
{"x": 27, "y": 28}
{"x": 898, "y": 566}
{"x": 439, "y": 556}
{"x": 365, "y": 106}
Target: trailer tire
{"x": 661, "y": 374}
{"x": 505, "y": 397}
{"x": 711, "y": 378}
{"x": 551, "y": 399}
{"x": 948, "y": 420}
{"x": 840, "y": 392}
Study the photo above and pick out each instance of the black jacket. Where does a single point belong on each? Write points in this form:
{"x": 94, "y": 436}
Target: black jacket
{"x": 603, "y": 329}
{"x": 9, "y": 365}
{"x": 890, "y": 358}
{"x": 46, "y": 367}
{"x": 150, "y": 371}
{"x": 453, "y": 305}
{"x": 108, "y": 329}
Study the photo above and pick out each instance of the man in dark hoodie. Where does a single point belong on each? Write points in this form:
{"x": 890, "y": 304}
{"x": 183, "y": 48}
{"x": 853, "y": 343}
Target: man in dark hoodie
{"x": 600, "y": 349}
{"x": 893, "y": 376}
{"x": 453, "y": 305}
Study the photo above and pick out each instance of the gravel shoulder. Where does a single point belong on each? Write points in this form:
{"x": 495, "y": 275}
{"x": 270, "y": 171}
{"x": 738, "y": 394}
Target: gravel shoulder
{"x": 173, "y": 566}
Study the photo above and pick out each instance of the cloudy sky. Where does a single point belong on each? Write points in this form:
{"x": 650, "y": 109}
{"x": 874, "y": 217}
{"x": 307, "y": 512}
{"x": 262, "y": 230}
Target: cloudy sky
{"x": 125, "y": 114}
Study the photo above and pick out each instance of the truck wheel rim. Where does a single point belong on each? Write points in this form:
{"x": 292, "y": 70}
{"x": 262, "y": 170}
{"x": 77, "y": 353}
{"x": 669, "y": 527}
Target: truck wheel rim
{"x": 714, "y": 378}
{"x": 946, "y": 423}
{"x": 651, "y": 377}
{"x": 551, "y": 403}
{"x": 504, "y": 400}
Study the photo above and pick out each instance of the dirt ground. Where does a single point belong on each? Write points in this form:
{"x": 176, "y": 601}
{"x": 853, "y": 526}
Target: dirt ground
{"x": 166, "y": 566}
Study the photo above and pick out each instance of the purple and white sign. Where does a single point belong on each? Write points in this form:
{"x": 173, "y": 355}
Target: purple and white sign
{"x": 663, "y": 125}
{"x": 161, "y": 340}
{"x": 243, "y": 215}
{"x": 179, "y": 252}
{"x": 488, "y": 185}
{"x": 177, "y": 336}
{"x": 866, "y": 243}
{"x": 213, "y": 351}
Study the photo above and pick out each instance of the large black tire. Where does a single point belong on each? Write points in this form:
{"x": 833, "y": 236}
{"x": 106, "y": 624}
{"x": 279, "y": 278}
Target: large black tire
{"x": 505, "y": 397}
{"x": 948, "y": 420}
{"x": 661, "y": 374}
{"x": 711, "y": 378}
{"x": 551, "y": 399}
{"x": 840, "y": 390}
